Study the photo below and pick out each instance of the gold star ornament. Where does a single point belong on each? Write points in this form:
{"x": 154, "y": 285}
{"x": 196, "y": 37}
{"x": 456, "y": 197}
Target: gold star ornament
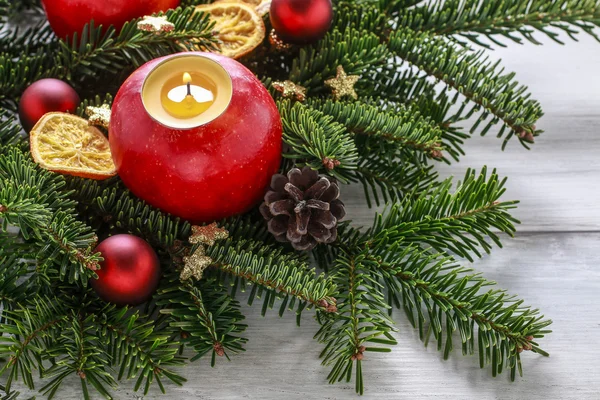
{"x": 343, "y": 84}
{"x": 194, "y": 265}
{"x": 290, "y": 90}
{"x": 155, "y": 24}
{"x": 208, "y": 234}
{"x": 99, "y": 116}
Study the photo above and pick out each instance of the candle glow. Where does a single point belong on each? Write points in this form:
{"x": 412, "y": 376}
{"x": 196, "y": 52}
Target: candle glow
{"x": 188, "y": 95}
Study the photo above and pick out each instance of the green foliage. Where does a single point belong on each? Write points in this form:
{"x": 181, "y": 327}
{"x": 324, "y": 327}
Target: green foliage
{"x": 474, "y": 76}
{"x": 459, "y": 221}
{"x": 315, "y": 139}
{"x": 10, "y": 130}
{"x": 420, "y": 81}
{"x": 75, "y": 337}
{"x": 30, "y": 200}
{"x": 207, "y": 317}
{"x": 98, "y": 51}
{"x": 361, "y": 323}
{"x": 510, "y": 19}
{"x": 429, "y": 287}
{"x": 273, "y": 274}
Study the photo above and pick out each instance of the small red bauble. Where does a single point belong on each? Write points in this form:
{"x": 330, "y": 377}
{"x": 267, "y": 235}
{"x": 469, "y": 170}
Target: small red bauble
{"x": 301, "y": 21}
{"x": 44, "y": 96}
{"x": 130, "y": 271}
{"x": 199, "y": 173}
{"x": 69, "y": 16}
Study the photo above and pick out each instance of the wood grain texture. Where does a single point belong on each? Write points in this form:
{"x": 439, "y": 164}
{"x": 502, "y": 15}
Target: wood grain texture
{"x": 558, "y": 271}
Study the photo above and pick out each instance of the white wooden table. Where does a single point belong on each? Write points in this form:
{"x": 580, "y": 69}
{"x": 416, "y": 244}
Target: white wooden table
{"x": 553, "y": 263}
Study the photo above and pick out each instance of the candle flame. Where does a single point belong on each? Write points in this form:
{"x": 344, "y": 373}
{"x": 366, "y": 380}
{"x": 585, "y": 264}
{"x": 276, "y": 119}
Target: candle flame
{"x": 187, "y": 78}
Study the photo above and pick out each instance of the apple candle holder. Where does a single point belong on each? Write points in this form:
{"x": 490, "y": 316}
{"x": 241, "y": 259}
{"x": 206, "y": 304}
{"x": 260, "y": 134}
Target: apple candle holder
{"x": 196, "y": 135}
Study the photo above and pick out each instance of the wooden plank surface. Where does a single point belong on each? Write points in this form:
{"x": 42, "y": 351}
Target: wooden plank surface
{"x": 555, "y": 267}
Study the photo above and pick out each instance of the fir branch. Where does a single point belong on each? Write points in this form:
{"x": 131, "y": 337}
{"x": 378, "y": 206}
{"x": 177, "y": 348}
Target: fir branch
{"x": 15, "y": 288}
{"x": 30, "y": 200}
{"x": 458, "y": 222}
{"x": 22, "y": 340}
{"x": 317, "y": 141}
{"x": 122, "y": 210}
{"x": 456, "y": 299}
{"x": 439, "y": 108}
{"x": 11, "y": 394}
{"x": 512, "y": 19}
{"x": 207, "y": 318}
{"x": 356, "y": 51}
{"x": 58, "y": 237}
{"x": 273, "y": 275}
{"x": 77, "y": 353}
{"x": 19, "y": 44}
{"x": 17, "y": 166}
{"x": 10, "y": 130}
{"x": 139, "y": 347}
{"x": 358, "y": 17}
{"x": 406, "y": 128}
{"x": 78, "y": 337}
{"x": 476, "y": 78}
{"x": 279, "y": 274}
{"x": 361, "y": 320}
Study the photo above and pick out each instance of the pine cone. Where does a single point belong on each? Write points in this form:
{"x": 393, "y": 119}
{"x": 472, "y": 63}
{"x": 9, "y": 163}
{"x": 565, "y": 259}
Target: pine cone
{"x": 303, "y": 208}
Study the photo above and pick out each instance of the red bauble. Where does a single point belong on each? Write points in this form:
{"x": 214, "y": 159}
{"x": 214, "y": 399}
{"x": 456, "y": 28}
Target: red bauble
{"x": 69, "y": 16}
{"x": 130, "y": 271}
{"x": 301, "y": 21}
{"x": 44, "y": 96}
{"x": 203, "y": 173}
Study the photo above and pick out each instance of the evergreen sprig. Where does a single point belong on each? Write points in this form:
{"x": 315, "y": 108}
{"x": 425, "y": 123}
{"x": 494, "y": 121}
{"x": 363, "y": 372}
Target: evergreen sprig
{"x": 430, "y": 287}
{"x": 458, "y": 221}
{"x": 477, "y": 78}
{"x": 205, "y": 317}
{"x": 361, "y": 323}
{"x": 316, "y": 140}
{"x": 513, "y": 20}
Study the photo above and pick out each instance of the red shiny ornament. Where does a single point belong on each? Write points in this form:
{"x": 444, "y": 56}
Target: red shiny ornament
{"x": 301, "y": 21}
{"x": 204, "y": 173}
{"x": 44, "y": 96}
{"x": 130, "y": 271}
{"x": 69, "y": 16}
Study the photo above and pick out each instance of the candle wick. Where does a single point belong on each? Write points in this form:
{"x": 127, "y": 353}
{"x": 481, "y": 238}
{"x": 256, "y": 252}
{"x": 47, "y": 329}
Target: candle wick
{"x": 189, "y": 89}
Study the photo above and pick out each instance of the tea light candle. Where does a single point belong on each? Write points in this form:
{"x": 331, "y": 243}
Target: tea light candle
{"x": 186, "y": 91}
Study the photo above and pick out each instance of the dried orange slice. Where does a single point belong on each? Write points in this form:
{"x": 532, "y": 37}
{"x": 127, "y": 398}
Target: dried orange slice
{"x": 238, "y": 27}
{"x": 65, "y": 143}
{"x": 261, "y": 6}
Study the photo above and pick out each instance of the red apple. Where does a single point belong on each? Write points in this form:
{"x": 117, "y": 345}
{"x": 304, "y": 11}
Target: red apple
{"x": 69, "y": 16}
{"x": 202, "y": 173}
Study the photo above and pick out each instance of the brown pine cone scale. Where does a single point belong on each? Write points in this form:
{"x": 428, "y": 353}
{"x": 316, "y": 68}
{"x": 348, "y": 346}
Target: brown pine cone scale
{"x": 303, "y": 208}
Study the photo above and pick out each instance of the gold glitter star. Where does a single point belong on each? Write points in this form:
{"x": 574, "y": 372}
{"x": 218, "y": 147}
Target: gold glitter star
{"x": 208, "y": 234}
{"x": 195, "y": 265}
{"x": 155, "y": 24}
{"x": 290, "y": 90}
{"x": 277, "y": 43}
{"x": 343, "y": 85}
{"x": 99, "y": 115}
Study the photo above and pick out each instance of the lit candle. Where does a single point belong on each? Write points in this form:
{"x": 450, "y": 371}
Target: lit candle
{"x": 189, "y": 100}
{"x": 186, "y": 91}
